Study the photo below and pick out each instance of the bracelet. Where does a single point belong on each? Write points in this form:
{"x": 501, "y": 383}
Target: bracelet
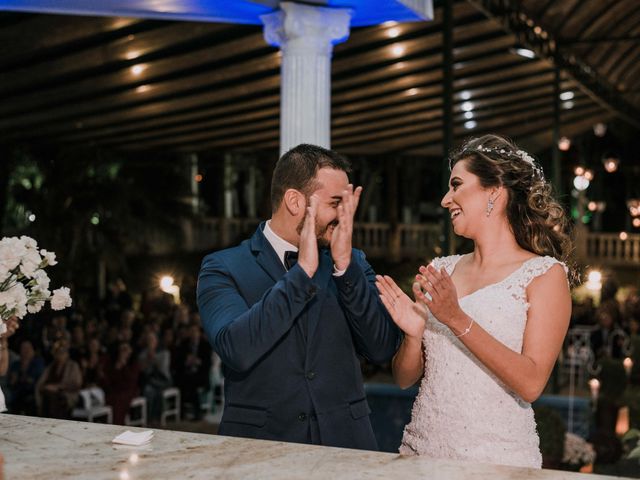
{"x": 467, "y": 330}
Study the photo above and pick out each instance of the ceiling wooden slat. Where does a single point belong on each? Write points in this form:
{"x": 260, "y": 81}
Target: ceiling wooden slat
{"x": 216, "y": 87}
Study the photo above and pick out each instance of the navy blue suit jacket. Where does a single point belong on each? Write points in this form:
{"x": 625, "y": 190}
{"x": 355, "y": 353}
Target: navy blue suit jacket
{"x": 288, "y": 344}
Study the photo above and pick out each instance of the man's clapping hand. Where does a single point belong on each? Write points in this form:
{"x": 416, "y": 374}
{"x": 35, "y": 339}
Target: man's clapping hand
{"x": 341, "y": 238}
{"x": 308, "y": 247}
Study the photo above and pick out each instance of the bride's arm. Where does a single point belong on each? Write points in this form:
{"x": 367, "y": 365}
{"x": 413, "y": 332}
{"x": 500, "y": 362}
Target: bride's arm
{"x": 525, "y": 373}
{"x": 408, "y": 363}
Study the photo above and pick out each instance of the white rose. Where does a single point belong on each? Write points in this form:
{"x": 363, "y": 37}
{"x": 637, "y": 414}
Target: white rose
{"x": 40, "y": 293}
{"x": 4, "y": 273}
{"x": 30, "y": 263}
{"x": 49, "y": 257}
{"x": 60, "y": 299}
{"x": 11, "y": 251}
{"x": 18, "y": 299}
{"x": 36, "y": 307}
{"x": 21, "y": 310}
{"x": 28, "y": 242}
{"x": 3, "y": 328}
{"x": 41, "y": 280}
{"x": 13, "y": 297}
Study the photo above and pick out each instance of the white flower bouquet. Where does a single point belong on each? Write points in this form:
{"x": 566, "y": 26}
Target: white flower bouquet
{"x": 577, "y": 451}
{"x": 24, "y": 285}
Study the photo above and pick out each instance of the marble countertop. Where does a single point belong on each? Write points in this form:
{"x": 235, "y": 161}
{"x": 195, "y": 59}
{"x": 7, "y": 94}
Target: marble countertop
{"x": 42, "y": 448}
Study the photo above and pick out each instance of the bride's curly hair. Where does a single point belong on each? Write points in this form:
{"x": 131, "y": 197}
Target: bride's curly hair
{"x": 538, "y": 221}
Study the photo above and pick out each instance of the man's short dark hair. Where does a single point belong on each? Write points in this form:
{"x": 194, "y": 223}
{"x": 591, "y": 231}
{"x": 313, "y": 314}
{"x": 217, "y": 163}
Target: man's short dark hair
{"x": 297, "y": 168}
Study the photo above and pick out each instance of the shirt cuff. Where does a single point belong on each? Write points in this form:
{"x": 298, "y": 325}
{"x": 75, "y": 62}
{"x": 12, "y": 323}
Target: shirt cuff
{"x": 338, "y": 273}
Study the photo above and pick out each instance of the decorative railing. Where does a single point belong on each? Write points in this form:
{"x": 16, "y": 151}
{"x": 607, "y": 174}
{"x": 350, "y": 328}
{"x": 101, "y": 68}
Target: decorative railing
{"x": 613, "y": 249}
{"x": 378, "y": 240}
{"x": 406, "y": 241}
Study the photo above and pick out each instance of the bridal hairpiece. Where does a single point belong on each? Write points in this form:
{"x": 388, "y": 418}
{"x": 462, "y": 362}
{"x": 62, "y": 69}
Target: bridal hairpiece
{"x": 524, "y": 156}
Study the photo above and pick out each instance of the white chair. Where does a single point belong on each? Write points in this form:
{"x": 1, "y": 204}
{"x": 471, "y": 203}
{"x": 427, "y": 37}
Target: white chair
{"x": 137, "y": 415}
{"x": 170, "y": 405}
{"x": 578, "y": 360}
{"x": 93, "y": 406}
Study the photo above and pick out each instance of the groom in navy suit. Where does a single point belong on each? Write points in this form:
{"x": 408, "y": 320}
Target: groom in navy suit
{"x": 289, "y": 310}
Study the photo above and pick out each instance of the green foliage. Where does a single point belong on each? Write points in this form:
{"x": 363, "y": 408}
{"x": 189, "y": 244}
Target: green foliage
{"x": 90, "y": 204}
{"x": 24, "y": 178}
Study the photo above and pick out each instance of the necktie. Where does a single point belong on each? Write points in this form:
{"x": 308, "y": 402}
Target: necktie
{"x": 290, "y": 259}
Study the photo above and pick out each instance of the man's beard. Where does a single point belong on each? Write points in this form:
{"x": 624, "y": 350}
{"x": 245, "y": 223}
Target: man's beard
{"x": 320, "y": 232}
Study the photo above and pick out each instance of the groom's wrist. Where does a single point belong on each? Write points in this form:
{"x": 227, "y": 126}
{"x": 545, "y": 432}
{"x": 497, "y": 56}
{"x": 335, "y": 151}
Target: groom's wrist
{"x": 341, "y": 264}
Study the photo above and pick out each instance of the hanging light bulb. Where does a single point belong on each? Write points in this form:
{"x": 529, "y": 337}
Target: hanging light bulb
{"x": 633, "y": 204}
{"x": 564, "y": 143}
{"x": 581, "y": 183}
{"x": 610, "y": 162}
{"x": 600, "y": 129}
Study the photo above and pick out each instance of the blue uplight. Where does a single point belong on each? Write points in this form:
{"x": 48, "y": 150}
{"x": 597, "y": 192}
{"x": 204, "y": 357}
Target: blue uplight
{"x": 366, "y": 12}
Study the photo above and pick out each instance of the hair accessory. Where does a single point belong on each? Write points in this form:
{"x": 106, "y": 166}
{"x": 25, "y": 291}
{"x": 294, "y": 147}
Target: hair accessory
{"x": 521, "y": 154}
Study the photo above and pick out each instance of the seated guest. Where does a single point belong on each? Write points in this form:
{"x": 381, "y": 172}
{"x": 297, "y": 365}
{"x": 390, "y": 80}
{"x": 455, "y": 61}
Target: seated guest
{"x": 156, "y": 375}
{"x": 193, "y": 362}
{"x": 91, "y": 363}
{"x": 120, "y": 381}
{"x": 23, "y": 376}
{"x": 58, "y": 387}
{"x": 77, "y": 346}
{"x": 52, "y": 333}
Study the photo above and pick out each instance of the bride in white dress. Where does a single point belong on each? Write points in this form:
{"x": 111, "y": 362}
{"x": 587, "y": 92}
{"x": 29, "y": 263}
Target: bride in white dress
{"x": 486, "y": 328}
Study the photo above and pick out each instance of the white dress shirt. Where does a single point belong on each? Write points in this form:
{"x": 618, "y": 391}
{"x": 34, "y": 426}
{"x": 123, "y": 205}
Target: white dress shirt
{"x": 280, "y": 245}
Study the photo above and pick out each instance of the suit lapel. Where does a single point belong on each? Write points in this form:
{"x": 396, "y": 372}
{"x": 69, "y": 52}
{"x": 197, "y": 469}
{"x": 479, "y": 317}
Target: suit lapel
{"x": 268, "y": 260}
{"x": 266, "y": 256}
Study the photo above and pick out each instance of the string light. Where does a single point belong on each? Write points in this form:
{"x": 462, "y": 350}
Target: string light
{"x": 564, "y": 144}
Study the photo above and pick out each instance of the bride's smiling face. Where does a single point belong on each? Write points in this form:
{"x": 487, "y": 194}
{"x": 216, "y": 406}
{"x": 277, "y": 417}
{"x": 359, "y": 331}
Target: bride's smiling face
{"x": 466, "y": 201}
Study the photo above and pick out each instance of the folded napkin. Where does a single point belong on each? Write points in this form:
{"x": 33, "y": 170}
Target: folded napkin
{"x": 134, "y": 439}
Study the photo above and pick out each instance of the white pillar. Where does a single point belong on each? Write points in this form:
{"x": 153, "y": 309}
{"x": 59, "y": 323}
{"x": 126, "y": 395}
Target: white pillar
{"x": 305, "y": 35}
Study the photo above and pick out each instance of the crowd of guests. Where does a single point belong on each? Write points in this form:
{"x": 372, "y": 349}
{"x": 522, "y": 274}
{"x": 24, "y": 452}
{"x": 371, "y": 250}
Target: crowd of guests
{"x": 125, "y": 351}
{"x": 614, "y": 323}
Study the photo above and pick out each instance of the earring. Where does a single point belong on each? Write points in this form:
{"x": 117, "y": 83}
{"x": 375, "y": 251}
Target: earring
{"x": 490, "y": 204}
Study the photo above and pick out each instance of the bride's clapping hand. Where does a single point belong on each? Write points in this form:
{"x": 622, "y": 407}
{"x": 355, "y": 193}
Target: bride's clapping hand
{"x": 441, "y": 298}
{"x": 408, "y": 315}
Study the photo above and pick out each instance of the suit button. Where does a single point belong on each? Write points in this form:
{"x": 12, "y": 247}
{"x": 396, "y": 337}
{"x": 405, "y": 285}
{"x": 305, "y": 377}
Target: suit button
{"x": 311, "y": 375}
{"x": 302, "y": 417}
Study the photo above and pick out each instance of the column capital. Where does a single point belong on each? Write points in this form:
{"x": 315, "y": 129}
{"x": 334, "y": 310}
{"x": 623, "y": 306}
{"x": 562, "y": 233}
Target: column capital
{"x": 305, "y": 29}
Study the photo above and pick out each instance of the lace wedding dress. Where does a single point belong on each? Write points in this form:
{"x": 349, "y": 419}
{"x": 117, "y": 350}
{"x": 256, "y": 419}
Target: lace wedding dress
{"x": 462, "y": 410}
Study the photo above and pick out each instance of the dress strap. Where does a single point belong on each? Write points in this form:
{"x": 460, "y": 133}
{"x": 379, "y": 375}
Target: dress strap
{"x": 535, "y": 267}
{"x": 447, "y": 262}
